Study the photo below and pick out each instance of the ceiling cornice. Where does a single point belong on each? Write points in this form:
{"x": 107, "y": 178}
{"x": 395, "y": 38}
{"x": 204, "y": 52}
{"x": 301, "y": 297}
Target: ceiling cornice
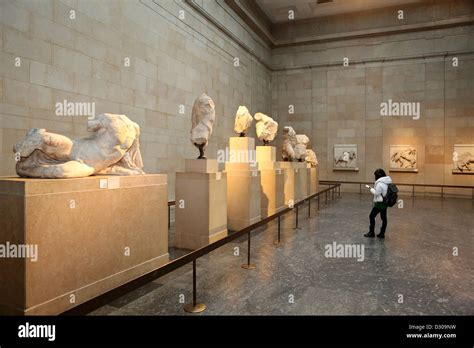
{"x": 241, "y": 7}
{"x": 244, "y": 9}
{"x": 221, "y": 27}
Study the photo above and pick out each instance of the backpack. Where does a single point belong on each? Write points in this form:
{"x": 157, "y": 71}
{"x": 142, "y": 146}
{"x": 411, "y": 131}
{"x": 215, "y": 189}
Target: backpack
{"x": 392, "y": 195}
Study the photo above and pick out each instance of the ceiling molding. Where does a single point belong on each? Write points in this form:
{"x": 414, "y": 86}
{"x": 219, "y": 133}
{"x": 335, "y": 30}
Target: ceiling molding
{"x": 399, "y": 29}
{"x": 222, "y": 28}
{"x": 243, "y": 10}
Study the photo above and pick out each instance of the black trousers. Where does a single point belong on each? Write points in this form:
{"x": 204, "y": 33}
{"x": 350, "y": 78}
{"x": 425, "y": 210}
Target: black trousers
{"x": 373, "y": 214}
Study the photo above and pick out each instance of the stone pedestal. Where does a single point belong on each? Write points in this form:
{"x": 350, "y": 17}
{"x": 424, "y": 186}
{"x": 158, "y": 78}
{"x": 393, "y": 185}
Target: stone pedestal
{"x": 201, "y": 204}
{"x": 243, "y": 195}
{"x": 313, "y": 180}
{"x": 241, "y": 150}
{"x": 296, "y": 181}
{"x": 272, "y": 181}
{"x": 266, "y": 154}
{"x": 243, "y": 184}
{"x": 92, "y": 235}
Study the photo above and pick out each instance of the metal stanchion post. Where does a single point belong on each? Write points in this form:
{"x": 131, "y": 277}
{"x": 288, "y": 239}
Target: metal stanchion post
{"x": 296, "y": 227}
{"x": 194, "y": 307}
{"x": 169, "y": 216}
{"x": 278, "y": 241}
{"x": 248, "y": 265}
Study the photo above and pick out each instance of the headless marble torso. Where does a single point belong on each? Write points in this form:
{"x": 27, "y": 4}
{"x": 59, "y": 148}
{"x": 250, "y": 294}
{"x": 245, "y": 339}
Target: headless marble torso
{"x": 113, "y": 148}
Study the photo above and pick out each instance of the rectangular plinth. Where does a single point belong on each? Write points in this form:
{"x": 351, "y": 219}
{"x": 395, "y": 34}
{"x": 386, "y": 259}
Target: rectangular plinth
{"x": 268, "y": 165}
{"x": 296, "y": 181}
{"x": 201, "y": 209}
{"x": 293, "y": 165}
{"x": 243, "y": 196}
{"x": 266, "y": 154}
{"x": 201, "y": 165}
{"x": 91, "y": 235}
{"x": 241, "y": 149}
{"x": 272, "y": 182}
{"x": 313, "y": 180}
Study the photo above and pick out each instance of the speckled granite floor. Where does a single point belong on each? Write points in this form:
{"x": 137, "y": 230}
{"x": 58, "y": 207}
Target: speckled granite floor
{"x": 415, "y": 260}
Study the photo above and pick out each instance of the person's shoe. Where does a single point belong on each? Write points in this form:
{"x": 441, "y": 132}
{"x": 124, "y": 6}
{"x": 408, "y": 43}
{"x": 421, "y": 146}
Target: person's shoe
{"x": 381, "y": 235}
{"x": 369, "y": 234}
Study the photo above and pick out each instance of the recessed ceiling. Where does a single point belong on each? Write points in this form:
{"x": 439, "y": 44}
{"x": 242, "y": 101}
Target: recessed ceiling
{"x": 278, "y": 10}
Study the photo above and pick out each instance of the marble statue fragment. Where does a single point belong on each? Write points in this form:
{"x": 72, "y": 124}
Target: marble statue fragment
{"x": 113, "y": 148}
{"x": 302, "y": 142}
{"x": 266, "y": 128}
{"x": 311, "y": 157}
{"x": 243, "y": 121}
{"x": 289, "y": 143}
{"x": 203, "y": 118}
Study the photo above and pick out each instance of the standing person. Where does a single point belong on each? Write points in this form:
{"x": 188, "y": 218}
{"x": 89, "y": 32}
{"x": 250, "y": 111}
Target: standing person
{"x": 379, "y": 191}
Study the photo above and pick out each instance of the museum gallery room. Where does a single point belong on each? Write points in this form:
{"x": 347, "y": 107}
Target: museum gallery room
{"x": 236, "y": 157}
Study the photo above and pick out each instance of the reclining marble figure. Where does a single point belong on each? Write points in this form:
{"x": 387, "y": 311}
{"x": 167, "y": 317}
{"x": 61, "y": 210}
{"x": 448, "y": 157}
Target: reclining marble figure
{"x": 113, "y": 148}
{"x": 203, "y": 118}
{"x": 294, "y": 145}
{"x": 311, "y": 158}
{"x": 266, "y": 128}
{"x": 243, "y": 120}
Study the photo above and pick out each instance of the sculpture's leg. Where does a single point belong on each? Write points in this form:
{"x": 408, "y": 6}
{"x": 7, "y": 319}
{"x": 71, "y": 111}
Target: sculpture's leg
{"x": 71, "y": 169}
{"x": 57, "y": 146}
{"x": 265, "y": 143}
{"x": 117, "y": 169}
{"x": 242, "y": 134}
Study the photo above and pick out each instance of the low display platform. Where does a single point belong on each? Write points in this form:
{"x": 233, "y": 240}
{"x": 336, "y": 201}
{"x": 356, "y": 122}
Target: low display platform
{"x": 81, "y": 237}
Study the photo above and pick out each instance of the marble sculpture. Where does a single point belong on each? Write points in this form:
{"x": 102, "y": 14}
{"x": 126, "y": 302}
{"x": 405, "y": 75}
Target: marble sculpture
{"x": 289, "y": 143}
{"x": 266, "y": 128}
{"x": 302, "y": 142}
{"x": 311, "y": 158}
{"x": 243, "y": 121}
{"x": 203, "y": 117}
{"x": 113, "y": 148}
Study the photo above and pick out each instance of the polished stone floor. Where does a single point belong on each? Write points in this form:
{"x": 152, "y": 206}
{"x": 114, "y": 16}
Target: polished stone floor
{"x": 412, "y": 272}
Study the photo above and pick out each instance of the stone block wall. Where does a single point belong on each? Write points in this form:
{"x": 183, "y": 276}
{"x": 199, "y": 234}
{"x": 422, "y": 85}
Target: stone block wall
{"x": 84, "y": 59}
{"x": 173, "y": 60}
{"x": 336, "y": 104}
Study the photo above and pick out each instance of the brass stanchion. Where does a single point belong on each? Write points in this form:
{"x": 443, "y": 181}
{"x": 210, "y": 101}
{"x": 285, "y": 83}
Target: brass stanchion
{"x": 194, "y": 307}
{"x": 248, "y": 265}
